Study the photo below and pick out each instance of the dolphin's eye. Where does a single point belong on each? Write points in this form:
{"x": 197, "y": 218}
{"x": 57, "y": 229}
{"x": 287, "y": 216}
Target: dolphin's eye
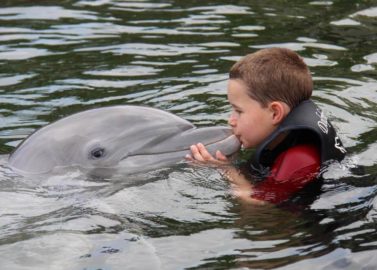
{"x": 97, "y": 153}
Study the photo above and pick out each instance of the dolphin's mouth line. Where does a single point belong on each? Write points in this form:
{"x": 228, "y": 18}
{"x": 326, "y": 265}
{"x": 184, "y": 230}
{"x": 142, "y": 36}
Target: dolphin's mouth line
{"x": 183, "y": 151}
{"x": 154, "y": 153}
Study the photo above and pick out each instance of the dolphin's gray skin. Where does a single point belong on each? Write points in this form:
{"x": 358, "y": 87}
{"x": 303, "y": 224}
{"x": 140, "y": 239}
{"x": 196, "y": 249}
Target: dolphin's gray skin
{"x": 133, "y": 138}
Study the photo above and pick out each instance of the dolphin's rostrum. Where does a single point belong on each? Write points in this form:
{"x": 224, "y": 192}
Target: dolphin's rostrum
{"x": 133, "y": 138}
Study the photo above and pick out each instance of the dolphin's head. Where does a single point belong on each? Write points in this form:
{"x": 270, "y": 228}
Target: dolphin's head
{"x": 114, "y": 137}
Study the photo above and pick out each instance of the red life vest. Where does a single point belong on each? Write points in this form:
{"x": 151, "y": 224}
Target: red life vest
{"x": 290, "y": 172}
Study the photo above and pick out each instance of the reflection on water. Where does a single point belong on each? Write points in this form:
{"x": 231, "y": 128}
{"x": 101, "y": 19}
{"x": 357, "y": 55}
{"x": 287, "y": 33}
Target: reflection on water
{"x": 60, "y": 58}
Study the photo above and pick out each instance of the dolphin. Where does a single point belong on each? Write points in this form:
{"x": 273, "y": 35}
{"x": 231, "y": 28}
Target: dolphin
{"x": 133, "y": 138}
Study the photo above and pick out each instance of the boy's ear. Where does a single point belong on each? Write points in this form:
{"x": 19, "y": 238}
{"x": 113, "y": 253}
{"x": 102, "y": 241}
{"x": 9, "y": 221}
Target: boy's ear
{"x": 279, "y": 111}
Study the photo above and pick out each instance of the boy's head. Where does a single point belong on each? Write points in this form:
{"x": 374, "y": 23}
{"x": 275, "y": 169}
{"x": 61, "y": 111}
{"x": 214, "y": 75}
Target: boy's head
{"x": 263, "y": 88}
{"x": 274, "y": 74}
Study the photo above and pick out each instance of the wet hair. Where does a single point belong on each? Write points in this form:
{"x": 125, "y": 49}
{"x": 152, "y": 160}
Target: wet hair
{"x": 274, "y": 74}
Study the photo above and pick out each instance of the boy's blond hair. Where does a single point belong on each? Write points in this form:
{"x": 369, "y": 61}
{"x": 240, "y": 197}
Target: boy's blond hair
{"x": 274, "y": 74}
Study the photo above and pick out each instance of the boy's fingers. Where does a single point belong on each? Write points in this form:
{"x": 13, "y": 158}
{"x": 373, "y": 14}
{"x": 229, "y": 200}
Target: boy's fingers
{"x": 221, "y": 156}
{"x": 204, "y": 153}
{"x": 201, "y": 154}
{"x": 195, "y": 153}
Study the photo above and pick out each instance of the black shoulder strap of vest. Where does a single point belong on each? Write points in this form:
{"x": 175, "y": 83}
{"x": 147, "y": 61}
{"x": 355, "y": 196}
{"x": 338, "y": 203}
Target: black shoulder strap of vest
{"x": 305, "y": 120}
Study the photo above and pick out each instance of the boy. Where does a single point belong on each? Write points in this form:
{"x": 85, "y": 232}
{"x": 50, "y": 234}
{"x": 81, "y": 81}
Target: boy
{"x": 269, "y": 92}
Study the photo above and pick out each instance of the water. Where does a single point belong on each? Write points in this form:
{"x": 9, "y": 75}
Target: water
{"x": 61, "y": 57}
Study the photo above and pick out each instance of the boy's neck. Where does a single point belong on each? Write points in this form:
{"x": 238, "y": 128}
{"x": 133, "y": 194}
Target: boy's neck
{"x": 281, "y": 137}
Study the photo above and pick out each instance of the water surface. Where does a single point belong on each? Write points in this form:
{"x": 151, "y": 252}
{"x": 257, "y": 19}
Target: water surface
{"x": 62, "y": 57}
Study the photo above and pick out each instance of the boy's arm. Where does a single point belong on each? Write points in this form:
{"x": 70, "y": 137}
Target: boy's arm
{"x": 241, "y": 187}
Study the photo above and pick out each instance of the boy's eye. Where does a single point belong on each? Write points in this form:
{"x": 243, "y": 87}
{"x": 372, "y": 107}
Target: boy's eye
{"x": 236, "y": 110}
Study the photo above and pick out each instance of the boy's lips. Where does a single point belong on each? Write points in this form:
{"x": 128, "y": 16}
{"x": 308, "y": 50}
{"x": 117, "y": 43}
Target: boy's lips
{"x": 238, "y": 136}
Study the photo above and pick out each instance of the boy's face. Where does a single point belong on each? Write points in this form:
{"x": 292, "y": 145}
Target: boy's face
{"x": 251, "y": 122}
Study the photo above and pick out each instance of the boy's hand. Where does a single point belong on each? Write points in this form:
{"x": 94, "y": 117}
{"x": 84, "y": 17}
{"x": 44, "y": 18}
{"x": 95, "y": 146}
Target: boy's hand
{"x": 200, "y": 153}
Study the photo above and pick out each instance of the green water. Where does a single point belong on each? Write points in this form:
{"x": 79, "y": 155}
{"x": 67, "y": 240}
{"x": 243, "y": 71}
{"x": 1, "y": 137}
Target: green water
{"x": 62, "y": 57}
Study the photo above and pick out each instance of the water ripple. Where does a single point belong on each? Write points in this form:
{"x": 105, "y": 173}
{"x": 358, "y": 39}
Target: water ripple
{"x": 16, "y": 79}
{"x": 44, "y": 13}
{"x": 8, "y": 53}
{"x": 151, "y": 49}
{"x": 126, "y": 71}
